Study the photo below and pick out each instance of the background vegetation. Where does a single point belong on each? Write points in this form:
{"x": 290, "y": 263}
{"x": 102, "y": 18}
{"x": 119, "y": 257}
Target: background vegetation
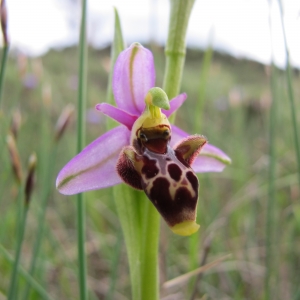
{"x": 229, "y": 101}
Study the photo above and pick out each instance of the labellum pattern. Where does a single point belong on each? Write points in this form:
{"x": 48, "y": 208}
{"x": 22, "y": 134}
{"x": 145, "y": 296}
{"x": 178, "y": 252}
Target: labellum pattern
{"x": 164, "y": 173}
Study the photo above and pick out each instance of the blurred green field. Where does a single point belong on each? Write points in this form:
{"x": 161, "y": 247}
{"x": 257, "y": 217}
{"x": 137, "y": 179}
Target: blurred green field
{"x": 230, "y": 106}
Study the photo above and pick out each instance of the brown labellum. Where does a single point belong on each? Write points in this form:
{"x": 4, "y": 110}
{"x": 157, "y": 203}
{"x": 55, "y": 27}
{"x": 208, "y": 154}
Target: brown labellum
{"x": 165, "y": 174}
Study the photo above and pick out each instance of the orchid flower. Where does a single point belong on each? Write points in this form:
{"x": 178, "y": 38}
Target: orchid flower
{"x": 145, "y": 151}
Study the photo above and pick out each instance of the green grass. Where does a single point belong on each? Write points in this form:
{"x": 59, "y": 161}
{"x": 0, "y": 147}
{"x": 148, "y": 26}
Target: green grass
{"x": 232, "y": 207}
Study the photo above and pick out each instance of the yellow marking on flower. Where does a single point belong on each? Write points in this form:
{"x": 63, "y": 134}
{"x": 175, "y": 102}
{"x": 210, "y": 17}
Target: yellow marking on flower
{"x": 154, "y": 122}
{"x": 155, "y": 112}
{"x": 152, "y": 116}
{"x": 185, "y": 228}
{"x": 148, "y": 99}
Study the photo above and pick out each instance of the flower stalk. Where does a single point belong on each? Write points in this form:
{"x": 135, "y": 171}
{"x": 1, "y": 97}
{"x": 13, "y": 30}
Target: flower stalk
{"x": 80, "y": 145}
{"x": 129, "y": 210}
{"x": 175, "y": 49}
{"x": 149, "y": 255}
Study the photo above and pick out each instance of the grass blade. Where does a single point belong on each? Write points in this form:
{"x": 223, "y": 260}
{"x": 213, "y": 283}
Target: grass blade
{"x": 80, "y": 145}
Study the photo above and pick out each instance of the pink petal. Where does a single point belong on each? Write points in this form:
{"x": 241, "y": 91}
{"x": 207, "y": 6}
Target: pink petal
{"x": 204, "y": 164}
{"x": 134, "y": 76}
{"x": 213, "y": 151}
{"x": 117, "y": 114}
{"x": 175, "y": 103}
{"x": 95, "y": 166}
{"x": 210, "y": 159}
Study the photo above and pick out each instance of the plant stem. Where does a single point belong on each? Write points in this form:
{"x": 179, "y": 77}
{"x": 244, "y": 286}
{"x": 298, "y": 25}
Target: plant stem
{"x": 80, "y": 145}
{"x": 128, "y": 202}
{"x": 12, "y": 293}
{"x": 81, "y": 246}
{"x": 175, "y": 47}
{"x": 149, "y": 255}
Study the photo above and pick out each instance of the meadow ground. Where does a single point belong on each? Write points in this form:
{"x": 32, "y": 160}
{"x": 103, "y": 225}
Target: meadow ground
{"x": 229, "y": 102}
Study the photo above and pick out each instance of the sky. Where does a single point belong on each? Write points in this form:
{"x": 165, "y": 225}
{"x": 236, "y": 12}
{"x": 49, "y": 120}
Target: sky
{"x": 237, "y": 27}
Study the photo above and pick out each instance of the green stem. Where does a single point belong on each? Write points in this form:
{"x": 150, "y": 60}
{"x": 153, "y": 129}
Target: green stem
{"x": 12, "y": 293}
{"x": 149, "y": 255}
{"x": 2, "y": 70}
{"x": 80, "y": 247}
{"x": 80, "y": 145}
{"x": 175, "y": 47}
{"x": 128, "y": 205}
{"x": 140, "y": 224}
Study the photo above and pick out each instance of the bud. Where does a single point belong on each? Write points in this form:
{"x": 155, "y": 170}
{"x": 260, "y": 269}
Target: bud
{"x": 14, "y": 157}
{"x": 30, "y": 177}
{"x": 3, "y": 16}
{"x": 16, "y": 123}
{"x": 63, "y": 121}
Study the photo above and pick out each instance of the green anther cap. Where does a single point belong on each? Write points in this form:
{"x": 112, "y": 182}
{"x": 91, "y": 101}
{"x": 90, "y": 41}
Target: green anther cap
{"x": 157, "y": 97}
